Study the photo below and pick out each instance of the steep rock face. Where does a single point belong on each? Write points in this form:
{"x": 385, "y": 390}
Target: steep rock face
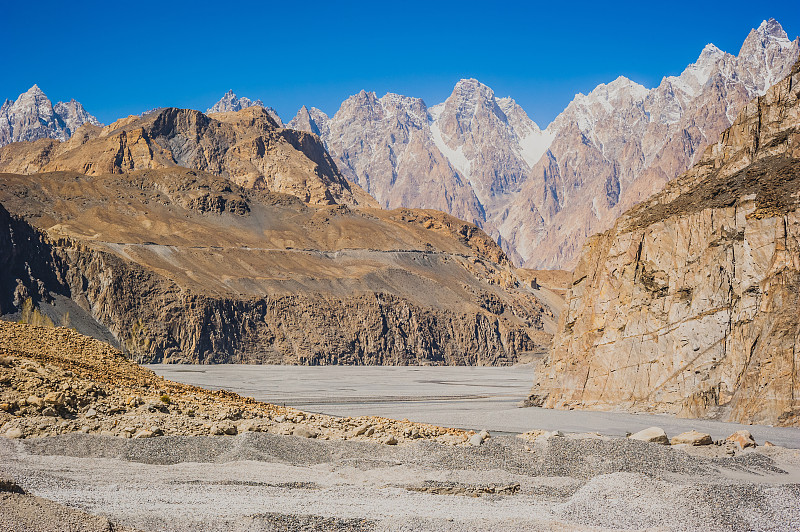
{"x": 33, "y": 116}
{"x": 311, "y": 120}
{"x": 488, "y": 137}
{"x": 541, "y": 194}
{"x": 230, "y": 103}
{"x": 385, "y": 145}
{"x": 621, "y": 143}
{"x": 183, "y": 266}
{"x": 690, "y": 305}
{"x": 247, "y": 147}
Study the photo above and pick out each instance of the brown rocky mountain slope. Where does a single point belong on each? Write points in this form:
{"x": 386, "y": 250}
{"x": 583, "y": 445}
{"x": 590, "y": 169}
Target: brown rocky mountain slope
{"x": 247, "y": 147}
{"x": 178, "y": 265}
{"x": 690, "y": 305}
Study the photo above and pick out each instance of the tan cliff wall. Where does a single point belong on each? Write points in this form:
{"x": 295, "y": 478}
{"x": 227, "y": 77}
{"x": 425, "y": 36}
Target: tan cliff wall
{"x": 155, "y": 320}
{"x": 690, "y": 305}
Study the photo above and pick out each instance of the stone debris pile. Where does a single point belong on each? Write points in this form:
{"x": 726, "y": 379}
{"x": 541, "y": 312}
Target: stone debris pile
{"x": 56, "y": 381}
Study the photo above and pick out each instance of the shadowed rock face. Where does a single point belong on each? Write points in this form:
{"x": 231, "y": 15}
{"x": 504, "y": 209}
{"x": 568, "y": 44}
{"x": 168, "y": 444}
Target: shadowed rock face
{"x": 690, "y": 305}
{"x": 184, "y": 266}
{"x": 246, "y": 147}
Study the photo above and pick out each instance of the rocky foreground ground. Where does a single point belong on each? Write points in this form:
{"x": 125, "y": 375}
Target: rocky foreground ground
{"x": 95, "y": 442}
{"x": 56, "y": 381}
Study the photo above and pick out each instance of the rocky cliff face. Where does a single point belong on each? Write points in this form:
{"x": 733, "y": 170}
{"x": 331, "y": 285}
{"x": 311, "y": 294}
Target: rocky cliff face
{"x": 247, "y": 147}
{"x": 621, "y": 143}
{"x": 33, "y": 116}
{"x": 541, "y": 193}
{"x": 230, "y": 103}
{"x": 183, "y": 266}
{"x": 386, "y": 146}
{"x": 690, "y": 305}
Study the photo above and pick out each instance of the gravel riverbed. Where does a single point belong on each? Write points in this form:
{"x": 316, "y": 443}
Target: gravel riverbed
{"x": 260, "y": 481}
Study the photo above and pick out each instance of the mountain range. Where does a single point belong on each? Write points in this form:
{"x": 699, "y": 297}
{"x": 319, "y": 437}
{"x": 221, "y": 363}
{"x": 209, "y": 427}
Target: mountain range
{"x": 540, "y": 193}
{"x": 183, "y": 237}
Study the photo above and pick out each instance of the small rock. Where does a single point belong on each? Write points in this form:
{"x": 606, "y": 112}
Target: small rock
{"x": 85, "y": 429}
{"x": 476, "y": 440}
{"x": 91, "y": 413}
{"x": 743, "y": 438}
{"x": 9, "y": 486}
{"x": 769, "y": 444}
{"x": 34, "y": 401}
{"x": 391, "y": 440}
{"x": 652, "y": 435}
{"x": 361, "y": 430}
{"x": 692, "y": 438}
{"x": 304, "y": 432}
{"x": 143, "y": 434}
{"x": 280, "y": 419}
{"x": 49, "y": 411}
{"x": 54, "y": 398}
{"x": 6, "y": 407}
{"x": 369, "y": 432}
{"x": 14, "y": 433}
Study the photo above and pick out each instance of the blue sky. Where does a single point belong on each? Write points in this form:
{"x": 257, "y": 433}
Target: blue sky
{"x": 127, "y": 57}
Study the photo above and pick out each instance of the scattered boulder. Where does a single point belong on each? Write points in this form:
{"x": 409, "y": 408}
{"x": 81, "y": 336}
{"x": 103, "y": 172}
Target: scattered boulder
{"x": 361, "y": 430}
{"x": 743, "y": 438}
{"x": 34, "y": 401}
{"x": 91, "y": 413}
{"x": 304, "y": 432}
{"x": 692, "y": 438}
{"x": 14, "y": 433}
{"x": 390, "y": 440}
{"x": 9, "y": 486}
{"x": 54, "y": 398}
{"x": 221, "y": 429}
{"x": 651, "y": 435}
{"x": 143, "y": 433}
{"x": 476, "y": 440}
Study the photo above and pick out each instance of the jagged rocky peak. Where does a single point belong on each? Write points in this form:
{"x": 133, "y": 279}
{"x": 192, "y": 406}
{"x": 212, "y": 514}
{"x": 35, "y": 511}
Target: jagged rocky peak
{"x": 33, "y": 116}
{"x": 763, "y": 52}
{"x": 230, "y": 103}
{"x": 245, "y": 146}
{"x": 310, "y": 120}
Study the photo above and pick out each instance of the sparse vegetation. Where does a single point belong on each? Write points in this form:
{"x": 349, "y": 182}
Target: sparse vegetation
{"x": 31, "y": 315}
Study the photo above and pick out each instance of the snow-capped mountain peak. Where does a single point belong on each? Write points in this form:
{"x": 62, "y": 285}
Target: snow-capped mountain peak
{"x": 33, "y": 116}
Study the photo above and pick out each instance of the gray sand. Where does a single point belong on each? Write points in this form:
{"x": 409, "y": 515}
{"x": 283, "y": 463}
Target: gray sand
{"x": 269, "y": 482}
{"x": 463, "y": 397}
